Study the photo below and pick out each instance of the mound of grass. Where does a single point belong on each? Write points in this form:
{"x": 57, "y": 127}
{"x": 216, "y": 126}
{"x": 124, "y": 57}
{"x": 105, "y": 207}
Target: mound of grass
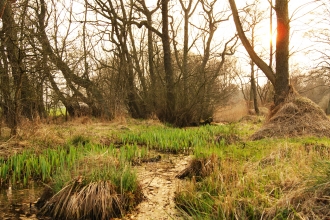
{"x": 199, "y": 168}
{"x": 297, "y": 116}
{"x": 100, "y": 184}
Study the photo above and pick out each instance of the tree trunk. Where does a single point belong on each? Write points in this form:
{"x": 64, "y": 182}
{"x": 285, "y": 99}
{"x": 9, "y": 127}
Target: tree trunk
{"x": 169, "y": 76}
{"x": 253, "y": 80}
{"x": 153, "y": 93}
{"x": 254, "y": 90}
{"x": 71, "y": 78}
{"x": 256, "y": 59}
{"x": 15, "y": 62}
{"x": 280, "y": 80}
{"x": 282, "y": 51}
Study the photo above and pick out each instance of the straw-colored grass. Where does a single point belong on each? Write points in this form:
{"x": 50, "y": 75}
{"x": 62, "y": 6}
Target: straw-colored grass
{"x": 100, "y": 185}
{"x": 278, "y": 183}
{"x": 231, "y": 113}
{"x": 93, "y": 200}
{"x": 297, "y": 116}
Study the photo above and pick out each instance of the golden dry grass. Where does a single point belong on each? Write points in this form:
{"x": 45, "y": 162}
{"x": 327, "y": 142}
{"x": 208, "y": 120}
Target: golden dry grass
{"x": 95, "y": 200}
{"x": 280, "y": 183}
{"x": 297, "y": 116}
{"x": 231, "y": 113}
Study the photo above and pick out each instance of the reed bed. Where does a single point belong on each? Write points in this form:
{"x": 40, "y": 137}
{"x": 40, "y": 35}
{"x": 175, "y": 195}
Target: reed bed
{"x": 19, "y": 169}
{"x": 175, "y": 140}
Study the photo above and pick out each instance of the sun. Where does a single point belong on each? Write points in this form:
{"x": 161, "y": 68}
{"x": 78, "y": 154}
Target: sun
{"x": 264, "y": 38}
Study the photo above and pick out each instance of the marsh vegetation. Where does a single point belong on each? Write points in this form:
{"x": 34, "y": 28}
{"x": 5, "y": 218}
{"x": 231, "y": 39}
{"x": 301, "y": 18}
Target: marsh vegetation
{"x": 101, "y": 170}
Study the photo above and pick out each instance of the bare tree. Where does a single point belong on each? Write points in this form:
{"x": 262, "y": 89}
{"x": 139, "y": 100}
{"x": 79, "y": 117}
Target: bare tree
{"x": 73, "y": 80}
{"x": 280, "y": 80}
{"x": 254, "y": 16}
{"x": 188, "y": 11}
{"x": 140, "y": 6}
{"x": 169, "y": 114}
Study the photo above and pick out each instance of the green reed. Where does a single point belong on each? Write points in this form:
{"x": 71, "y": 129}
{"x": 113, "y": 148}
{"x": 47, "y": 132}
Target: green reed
{"x": 178, "y": 140}
{"x": 19, "y": 169}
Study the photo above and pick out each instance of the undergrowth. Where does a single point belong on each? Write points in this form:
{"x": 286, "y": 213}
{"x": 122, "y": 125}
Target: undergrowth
{"x": 264, "y": 179}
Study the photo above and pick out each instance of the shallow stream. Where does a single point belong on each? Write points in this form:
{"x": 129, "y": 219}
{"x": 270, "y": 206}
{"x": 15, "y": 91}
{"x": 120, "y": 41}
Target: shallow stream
{"x": 18, "y": 203}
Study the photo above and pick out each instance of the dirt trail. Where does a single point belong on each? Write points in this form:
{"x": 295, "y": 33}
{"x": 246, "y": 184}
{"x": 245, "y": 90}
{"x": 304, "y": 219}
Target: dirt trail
{"x": 159, "y": 184}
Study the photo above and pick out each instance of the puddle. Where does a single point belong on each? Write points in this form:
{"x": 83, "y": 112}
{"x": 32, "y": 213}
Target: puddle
{"x": 18, "y": 204}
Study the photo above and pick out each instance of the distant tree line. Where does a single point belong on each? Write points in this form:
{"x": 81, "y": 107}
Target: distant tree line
{"x": 105, "y": 58}
{"x": 114, "y": 57}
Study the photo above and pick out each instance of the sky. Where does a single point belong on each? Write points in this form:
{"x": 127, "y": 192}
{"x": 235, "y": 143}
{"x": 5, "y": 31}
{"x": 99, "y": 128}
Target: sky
{"x": 301, "y": 15}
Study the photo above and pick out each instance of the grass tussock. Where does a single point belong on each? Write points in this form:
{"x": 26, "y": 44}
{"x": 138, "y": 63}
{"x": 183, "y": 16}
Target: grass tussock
{"x": 92, "y": 200}
{"x": 296, "y": 116}
{"x": 310, "y": 201}
{"x": 199, "y": 168}
{"x": 99, "y": 186}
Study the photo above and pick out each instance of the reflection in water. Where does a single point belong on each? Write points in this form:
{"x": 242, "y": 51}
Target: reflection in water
{"x": 18, "y": 203}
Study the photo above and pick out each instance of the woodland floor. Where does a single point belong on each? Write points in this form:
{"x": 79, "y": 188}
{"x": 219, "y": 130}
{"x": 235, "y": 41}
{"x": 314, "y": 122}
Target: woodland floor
{"x": 158, "y": 179}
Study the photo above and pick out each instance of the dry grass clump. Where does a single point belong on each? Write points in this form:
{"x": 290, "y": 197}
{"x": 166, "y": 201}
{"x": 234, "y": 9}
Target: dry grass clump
{"x": 274, "y": 157}
{"x": 94, "y": 200}
{"x": 104, "y": 189}
{"x": 100, "y": 185}
{"x": 297, "y": 116}
{"x": 310, "y": 201}
{"x": 278, "y": 183}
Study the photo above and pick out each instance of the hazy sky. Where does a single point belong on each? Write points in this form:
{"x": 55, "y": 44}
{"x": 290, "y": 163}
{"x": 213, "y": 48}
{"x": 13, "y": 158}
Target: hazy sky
{"x": 301, "y": 22}
{"x": 300, "y": 11}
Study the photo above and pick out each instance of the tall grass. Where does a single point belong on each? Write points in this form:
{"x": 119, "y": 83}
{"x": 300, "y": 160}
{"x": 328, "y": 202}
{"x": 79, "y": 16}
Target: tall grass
{"x": 27, "y": 166}
{"x": 250, "y": 180}
{"x": 262, "y": 179}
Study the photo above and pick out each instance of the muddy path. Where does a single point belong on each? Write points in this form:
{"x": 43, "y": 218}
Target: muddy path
{"x": 159, "y": 185}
